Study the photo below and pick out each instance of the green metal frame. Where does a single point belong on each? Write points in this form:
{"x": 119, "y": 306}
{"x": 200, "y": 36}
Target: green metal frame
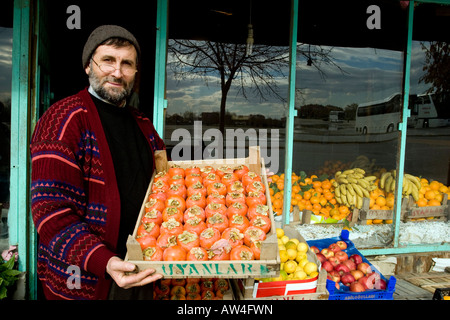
{"x": 18, "y": 217}
{"x": 160, "y": 103}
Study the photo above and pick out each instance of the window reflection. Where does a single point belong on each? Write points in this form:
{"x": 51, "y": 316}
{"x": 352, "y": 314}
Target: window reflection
{"x": 5, "y": 129}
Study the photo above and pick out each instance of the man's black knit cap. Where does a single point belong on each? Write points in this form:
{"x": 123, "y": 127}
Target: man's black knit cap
{"x": 103, "y": 33}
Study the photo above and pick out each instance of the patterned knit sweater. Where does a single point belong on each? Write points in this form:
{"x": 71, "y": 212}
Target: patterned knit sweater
{"x": 75, "y": 199}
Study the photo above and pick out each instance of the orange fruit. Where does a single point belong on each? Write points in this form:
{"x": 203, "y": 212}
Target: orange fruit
{"x": 376, "y": 207}
{"x": 296, "y": 189}
{"x": 277, "y": 204}
{"x": 275, "y": 178}
{"x": 307, "y": 195}
{"x": 435, "y": 185}
{"x": 326, "y": 184}
{"x": 314, "y": 199}
{"x": 298, "y": 197}
{"x": 443, "y": 189}
{"x": 343, "y": 210}
{"x": 422, "y": 202}
{"x": 280, "y": 184}
{"x": 390, "y": 202}
{"x": 430, "y": 194}
{"x": 381, "y": 201}
{"x": 433, "y": 203}
{"x": 278, "y": 195}
{"x": 271, "y": 191}
{"x": 317, "y": 184}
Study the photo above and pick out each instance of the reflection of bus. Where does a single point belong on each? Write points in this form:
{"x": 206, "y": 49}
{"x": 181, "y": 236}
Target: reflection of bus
{"x": 336, "y": 116}
{"x": 379, "y": 116}
{"x": 429, "y": 111}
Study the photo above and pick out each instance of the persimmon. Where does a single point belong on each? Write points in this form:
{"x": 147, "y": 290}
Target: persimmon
{"x": 261, "y": 222}
{"x": 216, "y": 187}
{"x": 192, "y": 170}
{"x": 229, "y": 178}
{"x": 152, "y": 216}
{"x": 253, "y": 233}
{"x": 234, "y": 236}
{"x": 194, "y": 212}
{"x": 195, "y": 225}
{"x": 193, "y": 296}
{"x": 197, "y": 199}
{"x": 161, "y": 195}
{"x": 215, "y": 198}
{"x": 192, "y": 288}
{"x": 160, "y": 186}
{"x": 255, "y": 197}
{"x": 237, "y": 208}
{"x": 221, "y": 283}
{"x": 154, "y": 203}
{"x": 176, "y": 179}
{"x": 240, "y": 170}
{"x": 176, "y": 201}
{"x": 259, "y": 210}
{"x": 218, "y": 221}
{"x": 193, "y": 178}
{"x": 172, "y": 227}
{"x": 214, "y": 208}
{"x": 172, "y": 213}
{"x": 249, "y": 177}
{"x": 208, "y": 237}
{"x": 239, "y": 222}
{"x": 242, "y": 252}
{"x": 176, "y": 170}
{"x": 197, "y": 254}
{"x": 177, "y": 189}
{"x": 174, "y": 253}
{"x": 256, "y": 186}
{"x": 210, "y": 178}
{"x": 236, "y": 186}
{"x": 207, "y": 170}
{"x": 162, "y": 176}
{"x": 166, "y": 240}
{"x": 197, "y": 187}
{"x": 146, "y": 240}
{"x": 150, "y": 228}
{"x": 223, "y": 170}
{"x": 152, "y": 253}
{"x": 255, "y": 246}
{"x": 178, "y": 290}
{"x": 188, "y": 240}
{"x": 234, "y": 197}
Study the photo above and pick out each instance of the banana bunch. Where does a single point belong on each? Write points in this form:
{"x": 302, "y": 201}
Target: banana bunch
{"x": 411, "y": 184}
{"x": 363, "y": 162}
{"x": 351, "y": 186}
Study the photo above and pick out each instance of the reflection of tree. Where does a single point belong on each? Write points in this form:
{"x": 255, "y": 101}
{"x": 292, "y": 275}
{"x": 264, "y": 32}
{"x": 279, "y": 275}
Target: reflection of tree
{"x": 256, "y": 74}
{"x": 437, "y": 67}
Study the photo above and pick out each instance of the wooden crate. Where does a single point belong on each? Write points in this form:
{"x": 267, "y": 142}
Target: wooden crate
{"x": 429, "y": 281}
{"x": 435, "y": 213}
{"x": 365, "y": 213}
{"x": 267, "y": 266}
{"x": 307, "y": 218}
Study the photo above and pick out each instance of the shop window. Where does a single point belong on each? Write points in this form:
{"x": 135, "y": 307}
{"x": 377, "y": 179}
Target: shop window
{"x": 350, "y": 62}
{"x": 6, "y": 34}
{"x": 225, "y": 93}
{"x": 427, "y": 144}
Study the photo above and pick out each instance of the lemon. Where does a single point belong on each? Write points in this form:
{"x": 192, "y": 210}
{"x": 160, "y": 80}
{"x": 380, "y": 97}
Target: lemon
{"x": 295, "y": 240}
{"x": 284, "y": 239}
{"x": 302, "y": 263}
{"x": 310, "y": 267}
{"x": 290, "y": 276}
{"x": 281, "y": 247}
{"x": 298, "y": 268}
{"x": 283, "y": 255}
{"x": 300, "y": 275}
{"x": 283, "y": 274}
{"x": 300, "y": 256}
{"x": 290, "y": 245}
{"x": 302, "y": 247}
{"x": 280, "y": 232}
{"x": 291, "y": 253}
{"x": 314, "y": 274}
{"x": 289, "y": 266}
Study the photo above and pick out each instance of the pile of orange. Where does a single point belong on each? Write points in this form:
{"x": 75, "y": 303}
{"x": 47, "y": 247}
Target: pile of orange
{"x": 308, "y": 193}
{"x": 431, "y": 193}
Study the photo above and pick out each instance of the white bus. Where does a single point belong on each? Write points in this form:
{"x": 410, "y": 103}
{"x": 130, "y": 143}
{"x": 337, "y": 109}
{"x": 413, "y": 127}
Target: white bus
{"x": 379, "y": 116}
{"x": 429, "y": 111}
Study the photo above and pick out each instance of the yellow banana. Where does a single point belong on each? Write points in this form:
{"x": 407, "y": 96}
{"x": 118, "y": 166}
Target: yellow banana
{"x": 357, "y": 189}
{"x": 388, "y": 182}
{"x": 366, "y": 193}
{"x": 370, "y": 178}
{"x": 338, "y": 199}
{"x": 341, "y": 180}
{"x": 337, "y": 174}
{"x": 413, "y": 179}
{"x": 350, "y": 189}
{"x": 359, "y": 202}
{"x": 352, "y": 180}
{"x": 363, "y": 183}
{"x": 349, "y": 171}
{"x": 383, "y": 179}
{"x": 359, "y": 170}
{"x": 415, "y": 192}
{"x": 337, "y": 192}
{"x": 343, "y": 190}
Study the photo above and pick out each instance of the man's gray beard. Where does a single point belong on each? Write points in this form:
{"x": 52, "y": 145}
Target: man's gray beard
{"x": 115, "y": 96}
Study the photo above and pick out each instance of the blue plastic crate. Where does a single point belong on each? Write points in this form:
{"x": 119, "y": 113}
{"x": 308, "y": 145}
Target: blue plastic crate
{"x": 344, "y": 293}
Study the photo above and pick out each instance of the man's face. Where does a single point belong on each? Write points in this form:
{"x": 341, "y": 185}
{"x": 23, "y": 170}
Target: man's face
{"x": 114, "y": 86}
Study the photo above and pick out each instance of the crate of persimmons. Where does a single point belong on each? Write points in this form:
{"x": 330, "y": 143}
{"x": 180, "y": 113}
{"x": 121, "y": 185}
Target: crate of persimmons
{"x": 207, "y": 218}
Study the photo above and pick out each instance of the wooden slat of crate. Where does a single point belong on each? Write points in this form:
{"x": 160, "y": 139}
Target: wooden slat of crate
{"x": 267, "y": 266}
{"x": 404, "y": 290}
{"x": 428, "y": 281}
{"x": 366, "y": 214}
{"x": 440, "y": 213}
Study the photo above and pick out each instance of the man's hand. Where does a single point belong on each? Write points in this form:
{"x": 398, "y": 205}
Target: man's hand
{"x": 117, "y": 269}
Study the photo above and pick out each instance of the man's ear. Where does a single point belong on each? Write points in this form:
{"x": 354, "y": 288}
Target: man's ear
{"x": 87, "y": 69}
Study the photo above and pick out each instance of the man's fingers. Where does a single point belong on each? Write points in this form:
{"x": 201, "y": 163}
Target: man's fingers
{"x": 140, "y": 279}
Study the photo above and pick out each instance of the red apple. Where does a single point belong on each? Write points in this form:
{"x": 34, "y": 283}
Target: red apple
{"x": 334, "y": 275}
{"x": 314, "y": 249}
{"x": 347, "y": 279}
{"x": 341, "y": 255}
{"x": 364, "y": 267}
{"x": 341, "y": 269}
{"x": 350, "y": 264}
{"x": 321, "y": 257}
{"x": 327, "y": 265}
{"x": 334, "y": 247}
{"x": 334, "y": 261}
{"x": 356, "y": 274}
{"x": 356, "y": 258}
{"x": 327, "y": 252}
{"x": 357, "y": 287}
{"x": 366, "y": 282}
{"x": 342, "y": 244}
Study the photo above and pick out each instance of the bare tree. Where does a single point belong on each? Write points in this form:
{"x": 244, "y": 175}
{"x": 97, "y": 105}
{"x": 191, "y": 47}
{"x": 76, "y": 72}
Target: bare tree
{"x": 437, "y": 67}
{"x": 256, "y": 73}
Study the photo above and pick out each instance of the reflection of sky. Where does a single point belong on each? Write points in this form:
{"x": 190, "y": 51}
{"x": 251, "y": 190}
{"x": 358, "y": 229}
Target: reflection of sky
{"x": 5, "y": 63}
{"x": 368, "y": 75}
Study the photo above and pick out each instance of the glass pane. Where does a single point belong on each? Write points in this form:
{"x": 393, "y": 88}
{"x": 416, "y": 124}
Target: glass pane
{"x": 349, "y": 102}
{"x": 428, "y": 143}
{"x": 6, "y": 33}
{"x": 223, "y": 93}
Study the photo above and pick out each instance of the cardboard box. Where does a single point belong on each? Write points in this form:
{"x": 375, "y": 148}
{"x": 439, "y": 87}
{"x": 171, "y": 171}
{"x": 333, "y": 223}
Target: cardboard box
{"x": 267, "y": 266}
{"x": 307, "y": 289}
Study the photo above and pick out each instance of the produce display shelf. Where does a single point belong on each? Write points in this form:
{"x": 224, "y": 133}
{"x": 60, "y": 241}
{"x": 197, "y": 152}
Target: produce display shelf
{"x": 267, "y": 266}
{"x": 344, "y": 293}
